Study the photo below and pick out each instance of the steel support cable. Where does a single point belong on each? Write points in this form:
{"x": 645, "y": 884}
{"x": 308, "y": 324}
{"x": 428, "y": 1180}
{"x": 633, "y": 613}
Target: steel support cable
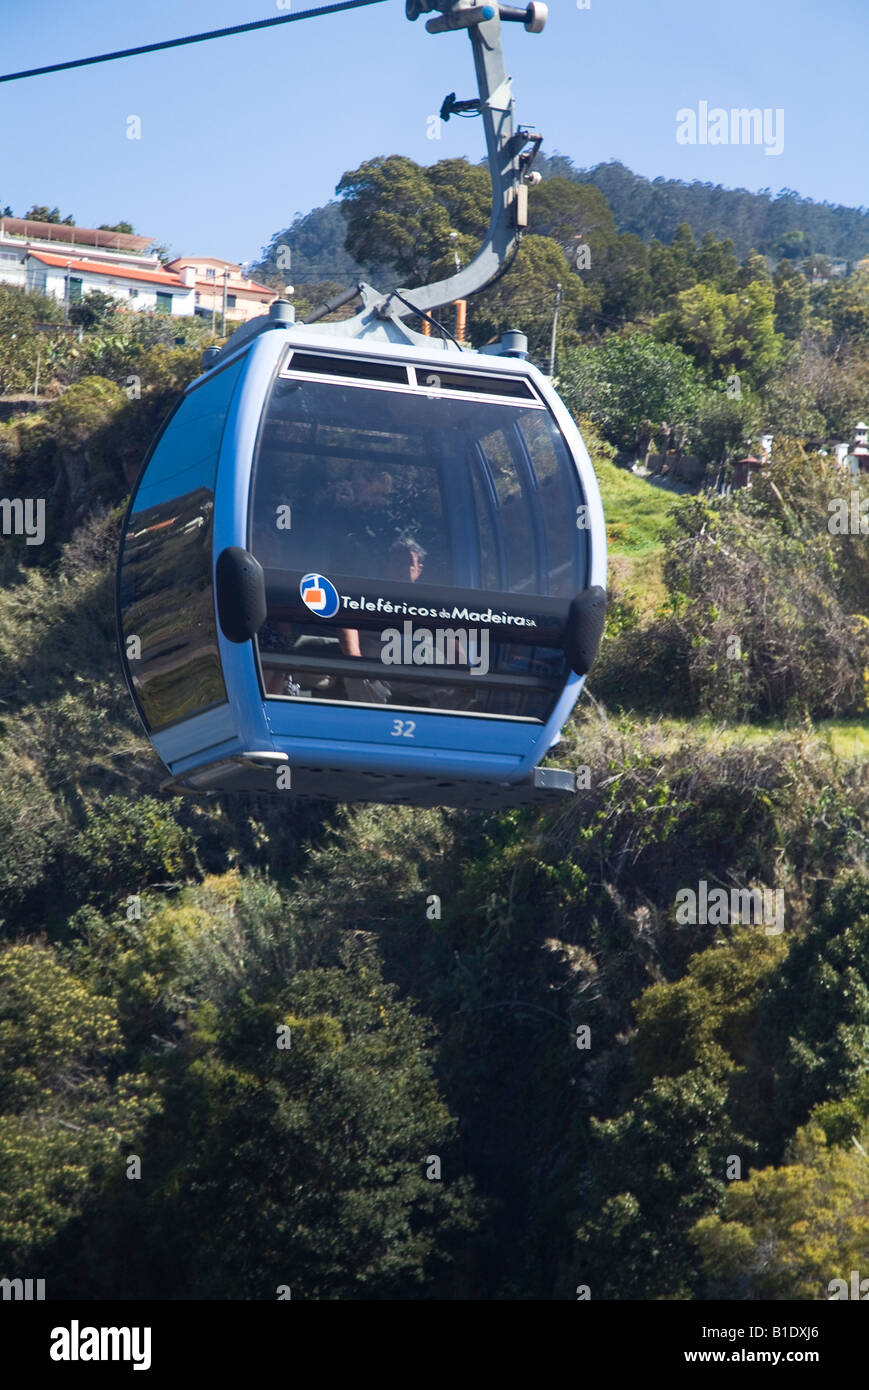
{"x": 190, "y": 38}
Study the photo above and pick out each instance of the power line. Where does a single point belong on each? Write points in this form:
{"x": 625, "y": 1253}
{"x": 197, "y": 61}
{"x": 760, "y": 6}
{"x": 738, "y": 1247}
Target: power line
{"x": 191, "y": 38}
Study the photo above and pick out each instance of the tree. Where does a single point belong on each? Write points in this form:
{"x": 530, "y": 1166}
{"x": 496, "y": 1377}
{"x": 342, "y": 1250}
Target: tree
{"x": 631, "y": 385}
{"x": 792, "y": 301}
{"x": 126, "y": 846}
{"x": 394, "y": 215}
{"x": 465, "y": 192}
{"x": 41, "y": 213}
{"x": 672, "y": 267}
{"x": 301, "y": 1111}
{"x": 117, "y": 227}
{"x": 725, "y": 332}
{"x": 754, "y": 267}
{"x": 725, "y": 421}
{"x": 525, "y": 298}
{"x": 788, "y": 1232}
{"x": 19, "y": 341}
{"x": 96, "y": 310}
{"x": 311, "y": 249}
{"x": 813, "y": 1024}
{"x": 716, "y": 263}
{"x": 846, "y": 304}
{"x": 573, "y": 214}
{"x": 63, "y": 1116}
{"x": 793, "y": 245}
{"x": 626, "y": 284}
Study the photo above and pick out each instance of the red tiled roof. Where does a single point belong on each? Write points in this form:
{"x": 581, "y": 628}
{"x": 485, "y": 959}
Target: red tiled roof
{"x": 157, "y": 277}
{"x": 233, "y": 288}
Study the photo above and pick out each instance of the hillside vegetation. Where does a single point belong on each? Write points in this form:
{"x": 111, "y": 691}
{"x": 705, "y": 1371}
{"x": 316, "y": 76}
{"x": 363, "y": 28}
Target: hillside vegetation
{"x": 371, "y": 1052}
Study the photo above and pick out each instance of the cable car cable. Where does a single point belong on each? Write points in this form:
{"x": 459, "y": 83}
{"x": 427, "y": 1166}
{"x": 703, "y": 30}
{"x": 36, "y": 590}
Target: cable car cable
{"x": 429, "y": 319}
{"x": 191, "y": 38}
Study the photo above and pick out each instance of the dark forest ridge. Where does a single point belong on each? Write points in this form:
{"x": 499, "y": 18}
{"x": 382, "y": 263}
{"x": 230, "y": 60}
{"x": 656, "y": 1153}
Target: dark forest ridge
{"x": 780, "y": 224}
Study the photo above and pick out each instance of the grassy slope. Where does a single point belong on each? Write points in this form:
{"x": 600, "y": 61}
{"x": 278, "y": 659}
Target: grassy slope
{"x": 636, "y": 516}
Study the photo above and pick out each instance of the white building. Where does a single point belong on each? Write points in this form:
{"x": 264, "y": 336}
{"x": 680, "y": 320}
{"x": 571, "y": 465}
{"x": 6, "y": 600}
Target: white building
{"x": 71, "y": 279}
{"x": 69, "y": 262}
{"x": 223, "y": 288}
{"x": 858, "y": 454}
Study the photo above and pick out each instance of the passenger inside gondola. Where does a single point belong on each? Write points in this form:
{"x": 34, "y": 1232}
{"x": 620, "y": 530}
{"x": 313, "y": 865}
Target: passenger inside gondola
{"x": 404, "y": 565}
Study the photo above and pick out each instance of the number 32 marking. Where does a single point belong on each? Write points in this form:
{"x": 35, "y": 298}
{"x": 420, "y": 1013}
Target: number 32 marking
{"x": 403, "y": 728}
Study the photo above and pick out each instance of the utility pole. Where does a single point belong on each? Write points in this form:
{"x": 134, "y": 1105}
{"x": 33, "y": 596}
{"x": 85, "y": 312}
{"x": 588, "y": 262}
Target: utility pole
{"x": 554, "y": 330}
{"x": 225, "y": 278}
{"x": 461, "y": 305}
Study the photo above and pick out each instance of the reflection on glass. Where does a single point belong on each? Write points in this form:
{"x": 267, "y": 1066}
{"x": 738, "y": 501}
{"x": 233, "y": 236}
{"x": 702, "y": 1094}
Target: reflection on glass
{"x": 167, "y": 602}
{"x": 385, "y": 485}
{"x": 166, "y": 598}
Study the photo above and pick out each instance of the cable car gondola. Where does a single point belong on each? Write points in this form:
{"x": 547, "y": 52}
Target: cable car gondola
{"x": 360, "y": 564}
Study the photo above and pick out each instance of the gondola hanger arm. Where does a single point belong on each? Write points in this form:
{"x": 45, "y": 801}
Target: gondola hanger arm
{"x": 508, "y": 149}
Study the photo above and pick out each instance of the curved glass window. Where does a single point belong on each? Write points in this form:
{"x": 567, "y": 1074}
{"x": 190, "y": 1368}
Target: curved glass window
{"x": 416, "y": 507}
{"x": 165, "y": 598}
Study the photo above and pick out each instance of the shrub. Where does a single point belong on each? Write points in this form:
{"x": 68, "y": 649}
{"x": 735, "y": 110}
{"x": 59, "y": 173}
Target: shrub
{"x": 128, "y": 846}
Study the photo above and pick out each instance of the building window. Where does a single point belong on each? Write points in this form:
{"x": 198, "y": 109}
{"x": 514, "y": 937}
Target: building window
{"x": 210, "y": 273}
{"x": 230, "y": 301}
{"x": 134, "y": 294}
{"x": 74, "y": 292}
{"x": 198, "y": 297}
{"x": 164, "y": 303}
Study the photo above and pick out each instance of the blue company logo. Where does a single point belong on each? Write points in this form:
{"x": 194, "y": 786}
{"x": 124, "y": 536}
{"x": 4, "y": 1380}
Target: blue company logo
{"x": 320, "y": 595}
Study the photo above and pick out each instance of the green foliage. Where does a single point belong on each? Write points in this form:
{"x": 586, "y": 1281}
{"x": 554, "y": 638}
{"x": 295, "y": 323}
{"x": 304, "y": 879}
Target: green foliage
{"x": 572, "y": 214}
{"x": 403, "y": 214}
{"x": 125, "y": 847}
{"x": 40, "y": 212}
{"x": 283, "y": 1157}
{"x": 724, "y": 422}
{"x": 630, "y": 386}
{"x": 191, "y": 937}
{"x": 64, "y": 1118}
{"x": 792, "y": 301}
{"x": 845, "y": 303}
{"x": 95, "y": 310}
{"x": 525, "y": 298}
{"x": 19, "y": 341}
{"x": 30, "y": 831}
{"x": 760, "y": 621}
{"x": 657, "y": 208}
{"x": 788, "y": 1232}
{"x": 820, "y": 1005}
{"x": 725, "y": 332}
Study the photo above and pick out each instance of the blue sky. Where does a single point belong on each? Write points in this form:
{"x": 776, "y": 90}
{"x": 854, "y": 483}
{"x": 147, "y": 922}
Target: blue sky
{"x": 239, "y": 134}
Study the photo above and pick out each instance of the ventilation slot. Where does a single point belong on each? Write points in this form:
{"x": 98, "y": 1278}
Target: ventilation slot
{"x": 358, "y": 367}
{"x": 437, "y": 380}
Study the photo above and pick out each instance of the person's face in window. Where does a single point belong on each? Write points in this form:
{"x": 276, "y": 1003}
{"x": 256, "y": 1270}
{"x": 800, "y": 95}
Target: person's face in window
{"x": 404, "y": 563}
